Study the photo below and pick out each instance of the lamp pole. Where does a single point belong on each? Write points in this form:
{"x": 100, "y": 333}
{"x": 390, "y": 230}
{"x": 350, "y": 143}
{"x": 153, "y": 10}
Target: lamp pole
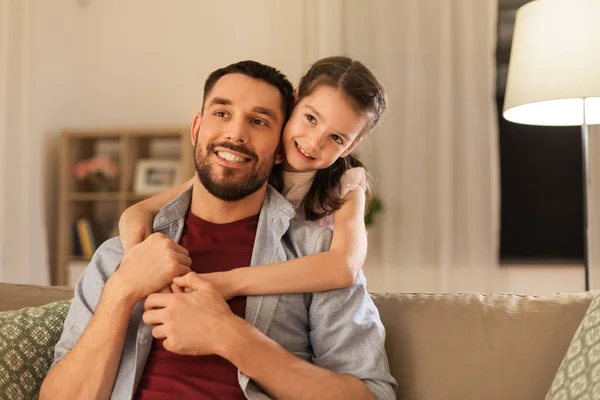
{"x": 585, "y": 141}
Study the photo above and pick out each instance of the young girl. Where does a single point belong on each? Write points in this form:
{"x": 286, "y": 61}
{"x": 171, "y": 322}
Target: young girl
{"x": 338, "y": 102}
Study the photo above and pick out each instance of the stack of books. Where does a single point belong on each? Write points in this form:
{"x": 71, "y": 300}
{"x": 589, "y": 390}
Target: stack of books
{"x": 84, "y": 245}
{"x": 84, "y": 241}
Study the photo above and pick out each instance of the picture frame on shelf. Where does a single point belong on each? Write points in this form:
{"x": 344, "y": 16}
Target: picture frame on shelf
{"x": 154, "y": 176}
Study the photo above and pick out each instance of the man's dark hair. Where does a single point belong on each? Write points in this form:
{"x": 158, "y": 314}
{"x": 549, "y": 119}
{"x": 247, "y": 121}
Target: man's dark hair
{"x": 260, "y": 71}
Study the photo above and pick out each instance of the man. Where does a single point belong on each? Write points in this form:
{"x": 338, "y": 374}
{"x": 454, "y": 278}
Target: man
{"x": 319, "y": 345}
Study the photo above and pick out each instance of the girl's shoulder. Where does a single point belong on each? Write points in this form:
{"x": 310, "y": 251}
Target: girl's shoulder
{"x": 352, "y": 179}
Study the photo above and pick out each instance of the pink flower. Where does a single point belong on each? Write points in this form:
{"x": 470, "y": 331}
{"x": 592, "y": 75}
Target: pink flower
{"x": 99, "y": 165}
{"x": 79, "y": 170}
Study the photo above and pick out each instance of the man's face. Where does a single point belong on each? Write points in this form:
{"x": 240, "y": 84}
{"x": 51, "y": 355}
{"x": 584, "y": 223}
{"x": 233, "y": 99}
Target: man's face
{"x": 236, "y": 138}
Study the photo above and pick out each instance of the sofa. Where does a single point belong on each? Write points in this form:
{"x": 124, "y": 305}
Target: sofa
{"x": 448, "y": 346}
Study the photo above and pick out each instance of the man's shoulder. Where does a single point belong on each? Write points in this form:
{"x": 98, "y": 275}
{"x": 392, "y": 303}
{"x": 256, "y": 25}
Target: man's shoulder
{"x": 112, "y": 245}
{"x": 308, "y": 237}
{"x": 111, "y": 248}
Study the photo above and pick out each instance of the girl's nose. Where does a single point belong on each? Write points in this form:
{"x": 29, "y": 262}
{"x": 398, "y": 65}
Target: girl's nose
{"x": 313, "y": 141}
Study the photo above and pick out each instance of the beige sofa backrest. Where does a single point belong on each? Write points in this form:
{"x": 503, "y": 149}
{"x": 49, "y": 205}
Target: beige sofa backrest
{"x": 472, "y": 346}
{"x": 15, "y": 297}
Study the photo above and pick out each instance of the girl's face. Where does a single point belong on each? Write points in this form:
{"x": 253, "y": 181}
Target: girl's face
{"x": 322, "y": 128}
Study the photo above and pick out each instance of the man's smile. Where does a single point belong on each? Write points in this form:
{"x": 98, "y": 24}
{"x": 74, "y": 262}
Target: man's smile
{"x": 231, "y": 158}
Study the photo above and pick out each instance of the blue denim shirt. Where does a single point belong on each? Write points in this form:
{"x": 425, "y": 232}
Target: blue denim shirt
{"x": 339, "y": 329}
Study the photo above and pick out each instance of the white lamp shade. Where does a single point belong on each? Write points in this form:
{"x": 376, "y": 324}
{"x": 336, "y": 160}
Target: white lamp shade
{"x": 555, "y": 64}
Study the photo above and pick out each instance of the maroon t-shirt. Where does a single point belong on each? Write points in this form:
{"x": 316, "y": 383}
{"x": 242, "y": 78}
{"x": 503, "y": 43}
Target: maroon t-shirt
{"x": 212, "y": 247}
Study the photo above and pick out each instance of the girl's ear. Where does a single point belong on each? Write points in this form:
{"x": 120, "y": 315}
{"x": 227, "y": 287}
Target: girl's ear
{"x": 352, "y": 146}
{"x": 196, "y": 127}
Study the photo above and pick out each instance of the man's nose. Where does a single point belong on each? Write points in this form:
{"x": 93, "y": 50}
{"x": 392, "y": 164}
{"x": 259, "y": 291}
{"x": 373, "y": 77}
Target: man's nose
{"x": 237, "y": 131}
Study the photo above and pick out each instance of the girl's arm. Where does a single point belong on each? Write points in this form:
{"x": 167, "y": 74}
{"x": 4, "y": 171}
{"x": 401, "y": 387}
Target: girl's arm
{"x": 333, "y": 269}
{"x": 135, "y": 223}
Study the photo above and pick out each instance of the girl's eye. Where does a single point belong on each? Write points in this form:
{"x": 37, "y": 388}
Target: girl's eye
{"x": 337, "y": 139}
{"x": 310, "y": 118}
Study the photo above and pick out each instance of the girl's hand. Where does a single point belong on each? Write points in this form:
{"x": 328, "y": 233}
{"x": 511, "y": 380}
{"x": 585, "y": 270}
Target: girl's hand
{"x": 224, "y": 282}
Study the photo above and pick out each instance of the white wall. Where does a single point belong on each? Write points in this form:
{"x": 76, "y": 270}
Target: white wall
{"x": 143, "y": 62}
{"x": 23, "y": 254}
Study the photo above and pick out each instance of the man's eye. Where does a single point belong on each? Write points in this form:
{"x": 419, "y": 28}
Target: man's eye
{"x": 310, "y": 118}
{"x": 337, "y": 139}
{"x": 256, "y": 121}
{"x": 220, "y": 114}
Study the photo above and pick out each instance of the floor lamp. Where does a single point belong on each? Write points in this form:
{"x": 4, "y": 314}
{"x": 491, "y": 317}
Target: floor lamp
{"x": 554, "y": 76}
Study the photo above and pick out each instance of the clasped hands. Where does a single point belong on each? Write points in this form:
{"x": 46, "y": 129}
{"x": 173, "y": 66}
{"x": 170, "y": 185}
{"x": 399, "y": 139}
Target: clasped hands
{"x": 187, "y": 310}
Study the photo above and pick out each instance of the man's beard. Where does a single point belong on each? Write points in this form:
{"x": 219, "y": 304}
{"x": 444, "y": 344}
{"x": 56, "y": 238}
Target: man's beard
{"x": 226, "y": 187}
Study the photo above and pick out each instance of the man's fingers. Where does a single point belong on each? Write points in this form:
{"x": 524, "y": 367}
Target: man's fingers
{"x": 183, "y": 259}
{"x": 176, "y": 289}
{"x": 156, "y": 300}
{"x": 174, "y": 246}
{"x": 182, "y": 250}
{"x": 167, "y": 244}
{"x": 159, "y": 332}
{"x": 152, "y": 317}
{"x": 166, "y": 289}
{"x": 176, "y": 268}
{"x": 183, "y": 270}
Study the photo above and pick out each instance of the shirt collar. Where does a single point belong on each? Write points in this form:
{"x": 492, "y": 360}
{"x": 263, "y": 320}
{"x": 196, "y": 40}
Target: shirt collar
{"x": 275, "y": 207}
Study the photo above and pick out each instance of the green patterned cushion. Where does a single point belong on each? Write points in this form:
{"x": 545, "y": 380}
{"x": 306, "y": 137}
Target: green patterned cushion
{"x": 578, "y": 376}
{"x": 27, "y": 340}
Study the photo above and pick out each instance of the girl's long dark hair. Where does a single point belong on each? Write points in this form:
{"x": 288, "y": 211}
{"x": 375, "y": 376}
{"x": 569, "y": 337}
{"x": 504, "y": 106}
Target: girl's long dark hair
{"x": 323, "y": 197}
{"x": 366, "y": 95}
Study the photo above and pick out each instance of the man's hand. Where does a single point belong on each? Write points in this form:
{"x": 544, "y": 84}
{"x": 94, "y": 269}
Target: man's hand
{"x": 192, "y": 323}
{"x": 150, "y": 266}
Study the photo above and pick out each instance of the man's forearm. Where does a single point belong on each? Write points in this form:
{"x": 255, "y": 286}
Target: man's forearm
{"x": 90, "y": 368}
{"x": 280, "y": 373}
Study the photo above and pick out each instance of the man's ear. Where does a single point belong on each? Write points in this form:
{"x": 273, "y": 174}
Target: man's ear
{"x": 195, "y": 127}
{"x": 352, "y": 146}
{"x": 279, "y": 154}
{"x": 296, "y": 93}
